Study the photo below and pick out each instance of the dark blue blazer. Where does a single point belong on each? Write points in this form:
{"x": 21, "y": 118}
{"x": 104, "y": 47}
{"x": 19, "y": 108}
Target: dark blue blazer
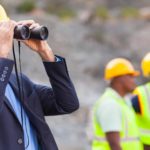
{"x": 39, "y": 101}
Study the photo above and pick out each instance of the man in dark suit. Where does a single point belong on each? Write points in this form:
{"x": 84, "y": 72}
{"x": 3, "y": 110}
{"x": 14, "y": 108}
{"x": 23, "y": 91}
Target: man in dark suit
{"x": 22, "y": 122}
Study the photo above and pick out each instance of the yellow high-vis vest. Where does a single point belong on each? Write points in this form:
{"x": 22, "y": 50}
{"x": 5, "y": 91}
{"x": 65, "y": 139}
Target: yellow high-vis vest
{"x": 143, "y": 119}
{"x": 129, "y": 134}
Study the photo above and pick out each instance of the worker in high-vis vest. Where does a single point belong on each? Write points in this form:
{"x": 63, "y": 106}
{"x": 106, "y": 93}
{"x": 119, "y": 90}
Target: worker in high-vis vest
{"x": 114, "y": 122}
{"x": 141, "y": 104}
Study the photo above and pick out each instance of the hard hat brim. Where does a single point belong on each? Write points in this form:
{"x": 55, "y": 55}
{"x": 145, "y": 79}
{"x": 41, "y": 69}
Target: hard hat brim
{"x": 135, "y": 73}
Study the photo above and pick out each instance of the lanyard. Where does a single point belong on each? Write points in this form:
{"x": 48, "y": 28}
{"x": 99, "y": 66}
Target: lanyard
{"x": 20, "y": 84}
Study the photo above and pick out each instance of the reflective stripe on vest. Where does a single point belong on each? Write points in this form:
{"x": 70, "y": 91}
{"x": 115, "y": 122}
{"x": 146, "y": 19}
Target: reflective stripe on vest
{"x": 130, "y": 139}
{"x": 144, "y": 131}
{"x": 147, "y": 92}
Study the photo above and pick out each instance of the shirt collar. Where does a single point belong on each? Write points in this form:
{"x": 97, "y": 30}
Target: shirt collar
{"x": 115, "y": 93}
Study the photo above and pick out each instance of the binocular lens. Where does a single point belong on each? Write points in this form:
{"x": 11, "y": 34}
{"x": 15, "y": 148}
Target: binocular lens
{"x": 25, "y": 32}
{"x": 40, "y": 33}
{"x": 44, "y": 33}
{"x": 21, "y": 32}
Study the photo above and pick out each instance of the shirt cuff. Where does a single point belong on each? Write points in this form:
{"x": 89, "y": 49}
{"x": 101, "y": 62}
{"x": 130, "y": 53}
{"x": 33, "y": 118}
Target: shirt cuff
{"x": 57, "y": 59}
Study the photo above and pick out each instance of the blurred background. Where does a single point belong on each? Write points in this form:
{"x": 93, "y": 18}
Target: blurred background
{"x": 88, "y": 33}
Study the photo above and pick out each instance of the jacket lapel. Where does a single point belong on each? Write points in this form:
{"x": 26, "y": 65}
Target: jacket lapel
{"x": 13, "y": 85}
{"x": 6, "y": 101}
{"x": 8, "y": 104}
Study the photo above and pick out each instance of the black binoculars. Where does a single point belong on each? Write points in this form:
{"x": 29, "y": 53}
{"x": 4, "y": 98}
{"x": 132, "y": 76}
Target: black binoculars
{"x": 23, "y": 32}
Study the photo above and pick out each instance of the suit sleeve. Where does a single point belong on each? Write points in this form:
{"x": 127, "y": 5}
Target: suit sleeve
{"x": 62, "y": 97}
{"x": 6, "y": 66}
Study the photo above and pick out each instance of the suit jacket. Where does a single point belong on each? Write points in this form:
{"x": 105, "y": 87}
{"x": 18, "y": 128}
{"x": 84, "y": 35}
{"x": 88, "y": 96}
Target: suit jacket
{"x": 39, "y": 101}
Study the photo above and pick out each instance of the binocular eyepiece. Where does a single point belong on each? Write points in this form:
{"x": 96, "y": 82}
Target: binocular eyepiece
{"x": 23, "y": 32}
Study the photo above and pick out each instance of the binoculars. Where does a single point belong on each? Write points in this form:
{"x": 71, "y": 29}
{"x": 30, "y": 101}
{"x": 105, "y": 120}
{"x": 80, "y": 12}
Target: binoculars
{"x": 23, "y": 32}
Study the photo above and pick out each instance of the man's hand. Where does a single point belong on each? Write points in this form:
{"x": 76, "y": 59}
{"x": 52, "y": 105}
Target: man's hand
{"x": 6, "y": 37}
{"x": 41, "y": 47}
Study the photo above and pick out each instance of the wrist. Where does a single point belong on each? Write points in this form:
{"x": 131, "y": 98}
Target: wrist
{"x": 47, "y": 55}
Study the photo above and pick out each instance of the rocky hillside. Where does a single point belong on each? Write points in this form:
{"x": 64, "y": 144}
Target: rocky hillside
{"x": 84, "y": 3}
